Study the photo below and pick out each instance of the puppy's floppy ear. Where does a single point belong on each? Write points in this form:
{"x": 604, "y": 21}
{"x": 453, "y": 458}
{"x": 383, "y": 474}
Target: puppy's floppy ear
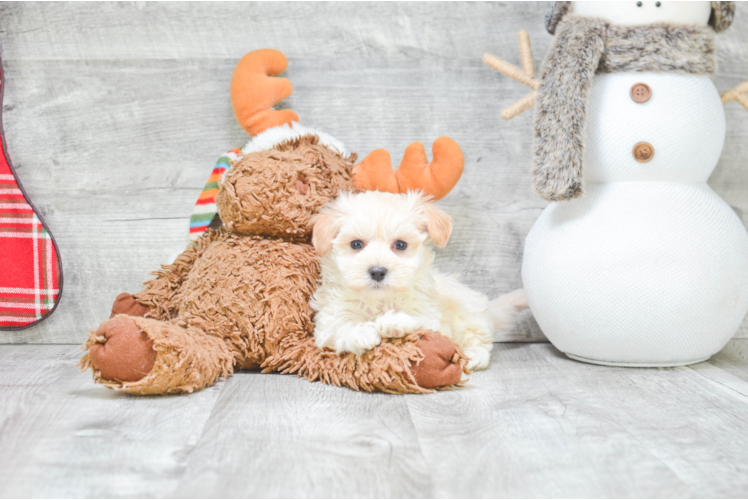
{"x": 438, "y": 223}
{"x": 326, "y": 225}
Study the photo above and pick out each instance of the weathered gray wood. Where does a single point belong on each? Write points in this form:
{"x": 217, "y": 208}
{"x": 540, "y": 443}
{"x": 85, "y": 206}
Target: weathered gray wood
{"x": 370, "y": 30}
{"x": 538, "y": 424}
{"x": 535, "y": 424}
{"x": 115, "y": 114}
{"x": 276, "y": 436}
{"x": 728, "y": 369}
{"x": 62, "y": 436}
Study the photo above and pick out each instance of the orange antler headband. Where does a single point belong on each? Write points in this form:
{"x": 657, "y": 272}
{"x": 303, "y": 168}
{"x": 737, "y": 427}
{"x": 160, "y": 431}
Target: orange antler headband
{"x": 415, "y": 172}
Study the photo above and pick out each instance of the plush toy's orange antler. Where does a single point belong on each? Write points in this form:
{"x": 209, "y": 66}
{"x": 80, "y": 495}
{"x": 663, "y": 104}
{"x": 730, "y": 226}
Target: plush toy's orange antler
{"x": 254, "y": 91}
{"x": 415, "y": 172}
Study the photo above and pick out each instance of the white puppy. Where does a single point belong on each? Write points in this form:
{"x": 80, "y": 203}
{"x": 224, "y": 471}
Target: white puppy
{"x": 378, "y": 280}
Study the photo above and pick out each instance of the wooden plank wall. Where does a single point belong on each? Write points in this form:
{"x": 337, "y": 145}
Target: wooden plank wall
{"x": 115, "y": 113}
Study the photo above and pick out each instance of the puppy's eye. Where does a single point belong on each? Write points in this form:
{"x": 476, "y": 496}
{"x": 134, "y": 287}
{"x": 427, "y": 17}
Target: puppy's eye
{"x": 400, "y": 245}
{"x": 357, "y": 244}
{"x": 658, "y": 4}
{"x": 638, "y": 4}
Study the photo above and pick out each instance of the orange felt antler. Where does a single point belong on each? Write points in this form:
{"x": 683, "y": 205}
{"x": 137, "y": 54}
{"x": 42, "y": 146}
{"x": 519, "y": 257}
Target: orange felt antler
{"x": 415, "y": 172}
{"x": 254, "y": 91}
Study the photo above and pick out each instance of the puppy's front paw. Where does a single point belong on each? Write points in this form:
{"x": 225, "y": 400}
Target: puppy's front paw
{"x": 394, "y": 324}
{"x": 362, "y": 337}
{"x": 479, "y": 357}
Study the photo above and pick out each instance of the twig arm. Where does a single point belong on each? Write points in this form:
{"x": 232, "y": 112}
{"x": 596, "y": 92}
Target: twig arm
{"x": 520, "y": 106}
{"x": 526, "y": 75}
{"x": 734, "y": 93}
{"x": 511, "y": 71}
{"x": 743, "y": 99}
{"x": 525, "y": 53}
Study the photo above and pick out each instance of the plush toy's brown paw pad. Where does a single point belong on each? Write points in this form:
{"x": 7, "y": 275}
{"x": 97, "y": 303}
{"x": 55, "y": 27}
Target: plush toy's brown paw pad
{"x": 248, "y": 364}
{"x": 126, "y": 304}
{"x": 127, "y": 353}
{"x": 439, "y": 367}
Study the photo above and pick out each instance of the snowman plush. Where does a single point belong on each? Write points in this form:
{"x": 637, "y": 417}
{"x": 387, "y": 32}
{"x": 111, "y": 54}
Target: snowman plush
{"x": 636, "y": 261}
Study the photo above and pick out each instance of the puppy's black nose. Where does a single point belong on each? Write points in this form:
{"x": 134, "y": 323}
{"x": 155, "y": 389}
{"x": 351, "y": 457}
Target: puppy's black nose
{"x": 377, "y": 273}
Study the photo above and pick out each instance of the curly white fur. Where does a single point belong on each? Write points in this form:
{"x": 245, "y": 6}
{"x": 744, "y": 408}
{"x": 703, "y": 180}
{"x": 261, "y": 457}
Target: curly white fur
{"x": 355, "y": 311}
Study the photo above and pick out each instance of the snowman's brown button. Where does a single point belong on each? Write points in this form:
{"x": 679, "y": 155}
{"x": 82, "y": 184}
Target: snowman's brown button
{"x": 643, "y": 152}
{"x": 641, "y": 92}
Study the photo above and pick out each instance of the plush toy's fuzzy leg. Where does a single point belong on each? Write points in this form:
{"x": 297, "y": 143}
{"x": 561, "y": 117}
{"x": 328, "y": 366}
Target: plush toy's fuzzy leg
{"x": 390, "y": 367}
{"x": 183, "y": 361}
{"x": 142, "y": 355}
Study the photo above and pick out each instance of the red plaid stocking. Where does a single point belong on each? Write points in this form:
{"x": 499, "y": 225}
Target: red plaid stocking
{"x": 30, "y": 271}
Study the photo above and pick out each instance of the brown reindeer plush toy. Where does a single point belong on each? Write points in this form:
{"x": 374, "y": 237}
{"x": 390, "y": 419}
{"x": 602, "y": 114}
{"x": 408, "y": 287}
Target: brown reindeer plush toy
{"x": 238, "y": 298}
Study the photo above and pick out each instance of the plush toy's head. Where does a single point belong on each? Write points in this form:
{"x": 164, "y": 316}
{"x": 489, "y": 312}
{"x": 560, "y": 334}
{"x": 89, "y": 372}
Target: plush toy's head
{"x": 275, "y": 192}
{"x": 718, "y": 15}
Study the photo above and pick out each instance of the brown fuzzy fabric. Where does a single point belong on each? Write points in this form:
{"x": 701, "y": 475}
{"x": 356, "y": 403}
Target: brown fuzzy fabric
{"x": 251, "y": 291}
{"x": 386, "y": 368}
{"x": 159, "y": 294}
{"x": 240, "y": 296}
{"x": 273, "y": 193}
{"x": 583, "y": 47}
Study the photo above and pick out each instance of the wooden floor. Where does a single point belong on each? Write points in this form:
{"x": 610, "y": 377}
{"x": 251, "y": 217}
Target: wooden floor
{"x": 536, "y": 424}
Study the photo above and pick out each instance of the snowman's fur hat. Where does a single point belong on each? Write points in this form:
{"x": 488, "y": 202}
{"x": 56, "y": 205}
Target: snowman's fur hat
{"x": 585, "y": 46}
{"x": 721, "y": 18}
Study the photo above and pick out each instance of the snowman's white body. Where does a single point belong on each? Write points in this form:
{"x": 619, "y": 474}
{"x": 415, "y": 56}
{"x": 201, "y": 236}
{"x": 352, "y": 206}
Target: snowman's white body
{"x": 649, "y": 267}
